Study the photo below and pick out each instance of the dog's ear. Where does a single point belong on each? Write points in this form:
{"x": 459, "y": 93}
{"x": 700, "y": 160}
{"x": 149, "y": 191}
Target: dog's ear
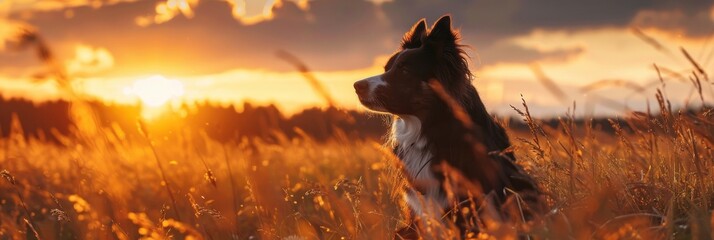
{"x": 441, "y": 33}
{"x": 413, "y": 38}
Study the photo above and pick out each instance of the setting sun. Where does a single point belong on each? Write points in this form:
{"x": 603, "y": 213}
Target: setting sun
{"x": 155, "y": 91}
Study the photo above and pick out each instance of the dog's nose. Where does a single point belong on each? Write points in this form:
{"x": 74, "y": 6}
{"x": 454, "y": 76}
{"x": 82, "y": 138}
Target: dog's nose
{"x": 361, "y": 86}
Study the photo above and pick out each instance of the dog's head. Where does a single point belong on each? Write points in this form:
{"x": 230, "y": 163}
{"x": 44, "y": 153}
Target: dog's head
{"x": 424, "y": 55}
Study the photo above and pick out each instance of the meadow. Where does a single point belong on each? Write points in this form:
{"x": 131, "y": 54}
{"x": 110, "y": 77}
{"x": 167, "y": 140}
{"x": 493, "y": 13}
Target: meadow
{"x": 647, "y": 175}
{"x": 650, "y": 178}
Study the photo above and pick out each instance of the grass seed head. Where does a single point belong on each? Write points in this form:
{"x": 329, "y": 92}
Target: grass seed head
{"x": 8, "y": 177}
{"x": 59, "y": 215}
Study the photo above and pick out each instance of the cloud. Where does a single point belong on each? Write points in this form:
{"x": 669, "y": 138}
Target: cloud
{"x": 246, "y": 15}
{"x": 7, "y": 31}
{"x": 244, "y": 11}
{"x": 199, "y": 37}
{"x": 165, "y": 11}
{"x": 89, "y": 60}
{"x": 677, "y": 21}
{"x": 509, "y": 52}
{"x": 43, "y": 5}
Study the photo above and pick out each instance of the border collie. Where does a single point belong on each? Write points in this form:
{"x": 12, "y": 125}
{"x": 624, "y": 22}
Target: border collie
{"x": 439, "y": 119}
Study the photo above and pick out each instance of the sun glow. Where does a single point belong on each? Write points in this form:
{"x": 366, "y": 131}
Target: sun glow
{"x": 155, "y": 91}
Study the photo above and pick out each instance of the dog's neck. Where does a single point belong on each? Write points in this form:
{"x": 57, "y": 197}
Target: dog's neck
{"x": 406, "y": 131}
{"x": 411, "y": 146}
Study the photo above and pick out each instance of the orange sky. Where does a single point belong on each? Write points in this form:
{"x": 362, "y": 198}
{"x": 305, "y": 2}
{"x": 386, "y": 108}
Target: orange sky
{"x": 225, "y": 51}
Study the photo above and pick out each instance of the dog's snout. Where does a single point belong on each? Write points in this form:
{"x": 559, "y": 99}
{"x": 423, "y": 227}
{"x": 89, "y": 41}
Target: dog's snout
{"x": 361, "y": 86}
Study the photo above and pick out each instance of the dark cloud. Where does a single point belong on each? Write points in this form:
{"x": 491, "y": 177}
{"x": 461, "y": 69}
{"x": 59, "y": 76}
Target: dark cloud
{"x": 510, "y": 53}
{"x": 680, "y": 21}
{"x": 484, "y": 24}
{"x": 513, "y": 17}
{"x": 341, "y": 34}
{"x": 565, "y": 14}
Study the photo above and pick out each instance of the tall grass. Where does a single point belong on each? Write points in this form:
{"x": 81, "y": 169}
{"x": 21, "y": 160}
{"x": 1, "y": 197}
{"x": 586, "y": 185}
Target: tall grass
{"x": 650, "y": 179}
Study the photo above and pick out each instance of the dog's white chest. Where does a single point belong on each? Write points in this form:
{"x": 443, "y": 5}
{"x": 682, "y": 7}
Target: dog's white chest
{"x": 416, "y": 157}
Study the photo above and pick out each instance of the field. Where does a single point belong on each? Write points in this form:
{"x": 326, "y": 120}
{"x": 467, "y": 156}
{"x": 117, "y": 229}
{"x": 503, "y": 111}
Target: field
{"x": 649, "y": 178}
{"x": 131, "y": 119}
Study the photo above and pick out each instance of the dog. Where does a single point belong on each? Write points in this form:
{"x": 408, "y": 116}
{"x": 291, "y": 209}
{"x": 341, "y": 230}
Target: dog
{"x": 439, "y": 120}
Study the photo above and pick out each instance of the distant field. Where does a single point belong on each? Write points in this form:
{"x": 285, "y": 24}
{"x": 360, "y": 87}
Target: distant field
{"x": 652, "y": 179}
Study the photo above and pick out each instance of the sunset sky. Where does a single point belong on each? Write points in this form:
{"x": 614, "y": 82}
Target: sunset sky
{"x": 225, "y": 51}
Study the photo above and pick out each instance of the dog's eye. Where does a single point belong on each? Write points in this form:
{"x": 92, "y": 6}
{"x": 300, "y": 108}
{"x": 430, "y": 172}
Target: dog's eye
{"x": 404, "y": 69}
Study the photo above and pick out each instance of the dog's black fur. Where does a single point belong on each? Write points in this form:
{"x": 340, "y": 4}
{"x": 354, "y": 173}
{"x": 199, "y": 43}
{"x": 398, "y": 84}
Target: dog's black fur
{"x": 477, "y": 150}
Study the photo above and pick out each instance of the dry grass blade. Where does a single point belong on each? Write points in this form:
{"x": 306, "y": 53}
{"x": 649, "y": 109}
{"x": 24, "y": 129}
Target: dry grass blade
{"x": 309, "y": 77}
{"x": 32, "y": 227}
{"x": 670, "y": 73}
{"x": 652, "y": 42}
{"x": 694, "y": 63}
{"x": 145, "y": 133}
{"x": 702, "y": 127}
{"x": 609, "y": 103}
{"x": 84, "y": 115}
{"x": 208, "y": 175}
{"x": 612, "y": 82}
{"x": 231, "y": 180}
{"x": 11, "y": 179}
{"x": 28, "y": 37}
{"x": 182, "y": 228}
{"x": 698, "y": 165}
{"x": 659, "y": 74}
{"x": 456, "y": 108}
{"x": 147, "y": 227}
{"x": 696, "y": 81}
{"x": 473, "y": 135}
{"x": 548, "y": 83}
{"x": 534, "y": 127}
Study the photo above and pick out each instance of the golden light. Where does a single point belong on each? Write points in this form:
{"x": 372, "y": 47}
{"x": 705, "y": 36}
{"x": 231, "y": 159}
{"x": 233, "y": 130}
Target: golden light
{"x": 155, "y": 91}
